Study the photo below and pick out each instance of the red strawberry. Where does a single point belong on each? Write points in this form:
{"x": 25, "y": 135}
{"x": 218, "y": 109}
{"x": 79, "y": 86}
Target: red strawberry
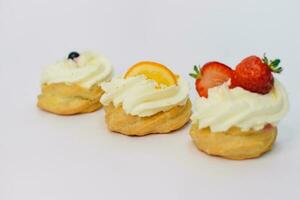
{"x": 210, "y": 75}
{"x": 255, "y": 74}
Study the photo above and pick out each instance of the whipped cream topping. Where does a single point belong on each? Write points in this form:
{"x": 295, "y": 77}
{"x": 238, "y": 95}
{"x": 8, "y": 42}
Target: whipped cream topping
{"x": 86, "y": 70}
{"x": 225, "y": 108}
{"x": 140, "y": 96}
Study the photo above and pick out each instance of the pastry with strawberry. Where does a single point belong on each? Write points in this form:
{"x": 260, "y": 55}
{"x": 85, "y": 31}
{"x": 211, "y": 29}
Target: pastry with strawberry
{"x": 237, "y": 111}
{"x": 148, "y": 99}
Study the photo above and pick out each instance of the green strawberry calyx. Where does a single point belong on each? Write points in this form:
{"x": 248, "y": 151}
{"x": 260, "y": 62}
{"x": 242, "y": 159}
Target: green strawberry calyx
{"x": 197, "y": 72}
{"x": 272, "y": 64}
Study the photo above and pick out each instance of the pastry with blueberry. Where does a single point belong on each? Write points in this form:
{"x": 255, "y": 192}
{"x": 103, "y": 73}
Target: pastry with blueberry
{"x": 72, "y": 85}
{"x": 238, "y": 110}
{"x": 148, "y": 99}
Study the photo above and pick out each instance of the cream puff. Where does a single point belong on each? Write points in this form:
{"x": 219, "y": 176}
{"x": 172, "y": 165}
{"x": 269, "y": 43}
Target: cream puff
{"x": 237, "y": 111}
{"x": 72, "y": 85}
{"x": 149, "y": 98}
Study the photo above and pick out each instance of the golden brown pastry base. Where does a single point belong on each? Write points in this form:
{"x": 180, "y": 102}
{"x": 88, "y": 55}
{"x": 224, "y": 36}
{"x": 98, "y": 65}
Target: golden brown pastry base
{"x": 234, "y": 144}
{"x": 63, "y": 99}
{"x": 162, "y": 122}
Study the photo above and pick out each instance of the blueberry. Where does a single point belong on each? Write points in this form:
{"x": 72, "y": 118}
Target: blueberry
{"x": 73, "y": 55}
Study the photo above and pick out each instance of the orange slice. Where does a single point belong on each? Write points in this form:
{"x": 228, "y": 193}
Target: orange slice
{"x": 154, "y": 71}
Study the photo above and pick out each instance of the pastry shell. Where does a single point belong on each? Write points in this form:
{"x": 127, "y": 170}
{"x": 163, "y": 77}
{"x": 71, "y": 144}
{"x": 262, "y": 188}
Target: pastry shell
{"x": 234, "y": 144}
{"x": 63, "y": 99}
{"x": 163, "y": 122}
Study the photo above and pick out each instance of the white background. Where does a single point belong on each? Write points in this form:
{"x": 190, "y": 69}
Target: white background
{"x": 44, "y": 156}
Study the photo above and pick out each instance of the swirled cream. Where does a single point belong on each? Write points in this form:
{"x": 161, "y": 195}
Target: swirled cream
{"x": 225, "y": 108}
{"x": 86, "y": 70}
{"x": 140, "y": 96}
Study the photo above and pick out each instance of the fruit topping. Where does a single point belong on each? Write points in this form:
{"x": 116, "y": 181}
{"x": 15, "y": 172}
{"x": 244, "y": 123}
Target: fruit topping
{"x": 73, "y": 55}
{"x": 210, "y": 75}
{"x": 255, "y": 74}
{"x": 154, "y": 71}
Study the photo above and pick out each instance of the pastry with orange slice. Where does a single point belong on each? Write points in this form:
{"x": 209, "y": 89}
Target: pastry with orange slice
{"x": 148, "y": 99}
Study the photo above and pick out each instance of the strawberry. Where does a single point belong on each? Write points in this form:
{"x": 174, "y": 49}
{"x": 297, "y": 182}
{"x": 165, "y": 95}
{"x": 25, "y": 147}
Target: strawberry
{"x": 255, "y": 74}
{"x": 210, "y": 75}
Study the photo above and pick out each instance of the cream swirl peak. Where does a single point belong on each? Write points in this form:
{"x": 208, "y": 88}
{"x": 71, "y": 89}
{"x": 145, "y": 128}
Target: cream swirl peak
{"x": 85, "y": 70}
{"x": 140, "y": 96}
{"x": 225, "y": 108}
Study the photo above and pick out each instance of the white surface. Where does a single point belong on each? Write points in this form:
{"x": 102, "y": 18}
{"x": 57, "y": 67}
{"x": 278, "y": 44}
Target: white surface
{"x": 44, "y": 156}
